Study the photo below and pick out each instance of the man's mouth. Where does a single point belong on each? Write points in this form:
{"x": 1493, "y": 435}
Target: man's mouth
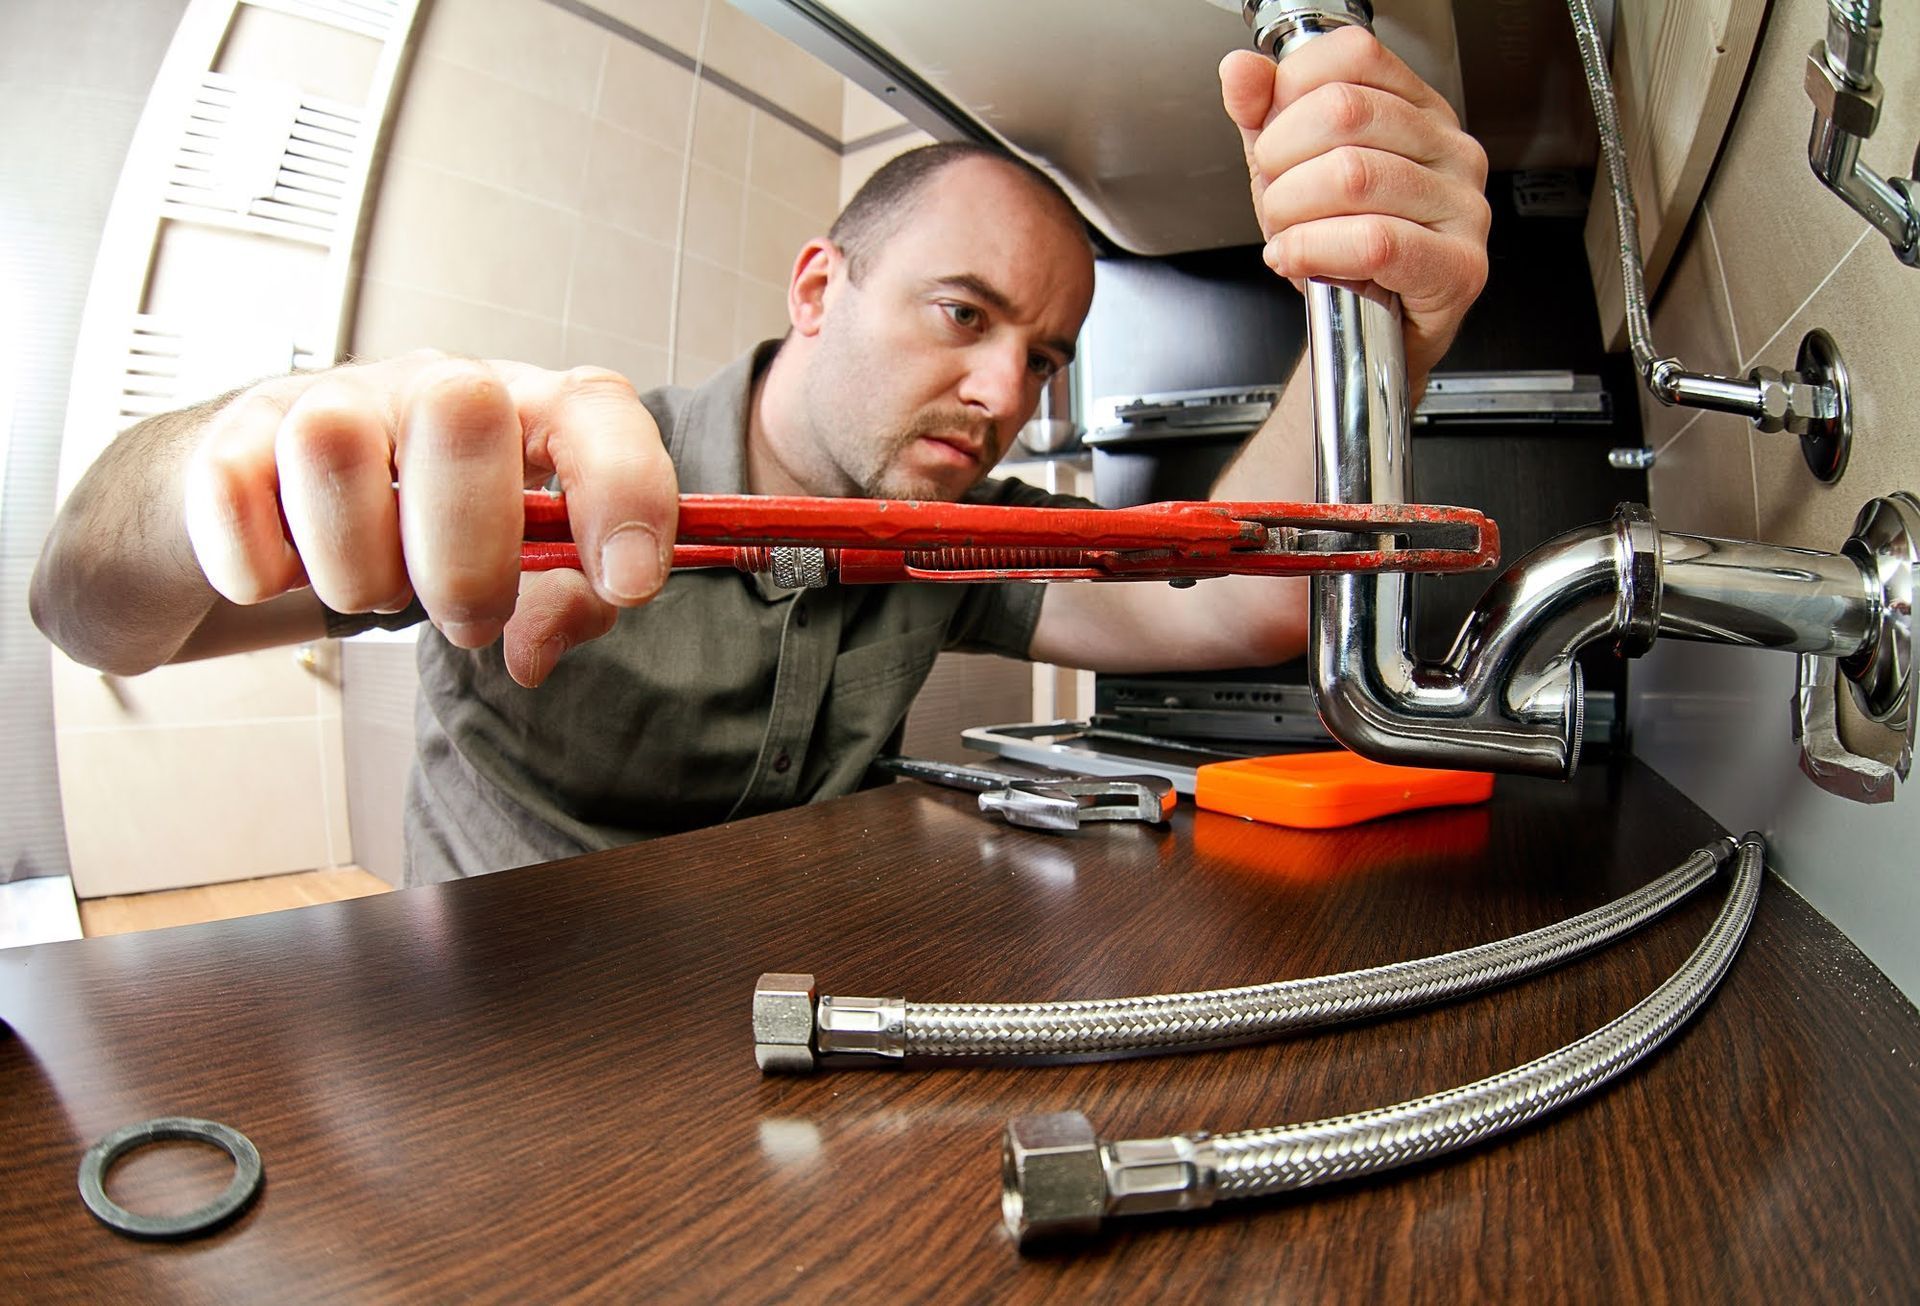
{"x": 957, "y": 447}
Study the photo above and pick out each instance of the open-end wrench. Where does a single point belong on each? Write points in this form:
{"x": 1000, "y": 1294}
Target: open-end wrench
{"x": 1048, "y": 802}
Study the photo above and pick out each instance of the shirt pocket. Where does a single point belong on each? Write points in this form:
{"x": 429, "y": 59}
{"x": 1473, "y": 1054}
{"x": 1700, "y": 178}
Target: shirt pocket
{"x": 892, "y": 661}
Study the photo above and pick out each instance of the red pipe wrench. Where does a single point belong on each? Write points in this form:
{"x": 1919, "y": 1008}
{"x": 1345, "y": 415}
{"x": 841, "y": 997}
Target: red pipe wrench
{"x": 808, "y": 541}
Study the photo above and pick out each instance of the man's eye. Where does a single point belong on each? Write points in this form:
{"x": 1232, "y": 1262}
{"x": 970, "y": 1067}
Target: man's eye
{"x": 964, "y": 315}
{"x": 1040, "y": 365}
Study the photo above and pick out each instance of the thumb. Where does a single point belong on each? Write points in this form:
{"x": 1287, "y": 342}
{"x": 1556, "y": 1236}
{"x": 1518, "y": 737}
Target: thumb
{"x": 1246, "y": 89}
{"x": 557, "y": 610}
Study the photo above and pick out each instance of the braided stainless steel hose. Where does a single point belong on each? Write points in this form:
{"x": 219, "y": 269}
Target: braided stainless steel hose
{"x": 792, "y": 1028}
{"x": 1059, "y": 1179}
{"x": 1812, "y": 400}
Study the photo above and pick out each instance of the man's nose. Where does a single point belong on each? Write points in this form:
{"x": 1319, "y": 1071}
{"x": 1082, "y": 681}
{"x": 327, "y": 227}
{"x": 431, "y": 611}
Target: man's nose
{"x": 997, "y": 382}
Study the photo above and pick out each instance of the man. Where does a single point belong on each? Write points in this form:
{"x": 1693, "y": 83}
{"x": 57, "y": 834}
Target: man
{"x": 923, "y": 330}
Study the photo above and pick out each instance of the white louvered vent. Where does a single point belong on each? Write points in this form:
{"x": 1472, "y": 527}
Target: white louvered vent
{"x": 373, "y": 18}
{"x": 254, "y": 156}
{"x": 171, "y": 364}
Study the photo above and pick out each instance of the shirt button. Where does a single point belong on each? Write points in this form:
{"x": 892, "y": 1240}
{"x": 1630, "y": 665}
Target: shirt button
{"x": 781, "y": 763}
{"x": 800, "y": 617}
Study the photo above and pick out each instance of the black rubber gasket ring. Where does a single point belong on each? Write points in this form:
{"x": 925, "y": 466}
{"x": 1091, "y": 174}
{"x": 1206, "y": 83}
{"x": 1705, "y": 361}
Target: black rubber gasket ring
{"x": 247, "y": 1174}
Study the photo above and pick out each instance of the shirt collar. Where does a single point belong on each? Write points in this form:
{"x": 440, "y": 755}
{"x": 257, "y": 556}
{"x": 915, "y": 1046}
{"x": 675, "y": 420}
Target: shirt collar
{"x": 713, "y": 455}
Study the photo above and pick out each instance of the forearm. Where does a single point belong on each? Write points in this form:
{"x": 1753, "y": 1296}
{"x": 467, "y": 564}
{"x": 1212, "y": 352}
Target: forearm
{"x": 1229, "y": 621}
{"x": 117, "y": 586}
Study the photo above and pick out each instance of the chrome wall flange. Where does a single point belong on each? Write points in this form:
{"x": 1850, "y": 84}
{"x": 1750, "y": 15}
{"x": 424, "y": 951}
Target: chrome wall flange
{"x": 1826, "y": 441}
{"x": 1886, "y": 542}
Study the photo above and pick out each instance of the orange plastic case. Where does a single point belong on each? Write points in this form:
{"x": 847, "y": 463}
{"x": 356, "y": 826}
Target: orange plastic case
{"x": 1317, "y": 791}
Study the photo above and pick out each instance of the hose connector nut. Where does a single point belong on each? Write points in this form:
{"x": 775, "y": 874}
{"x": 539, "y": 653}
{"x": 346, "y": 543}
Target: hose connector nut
{"x": 1150, "y": 1175}
{"x": 1852, "y": 109}
{"x": 783, "y": 1023}
{"x": 875, "y": 1027}
{"x": 1052, "y": 1182}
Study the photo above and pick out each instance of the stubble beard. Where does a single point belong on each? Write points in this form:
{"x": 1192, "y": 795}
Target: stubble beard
{"x": 887, "y": 479}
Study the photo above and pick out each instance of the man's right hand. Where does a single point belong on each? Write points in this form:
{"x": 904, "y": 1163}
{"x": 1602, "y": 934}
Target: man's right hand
{"x": 374, "y": 484}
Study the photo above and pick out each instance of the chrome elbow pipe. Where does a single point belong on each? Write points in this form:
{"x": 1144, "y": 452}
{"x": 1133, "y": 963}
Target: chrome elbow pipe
{"x": 1846, "y": 108}
{"x": 1509, "y": 695}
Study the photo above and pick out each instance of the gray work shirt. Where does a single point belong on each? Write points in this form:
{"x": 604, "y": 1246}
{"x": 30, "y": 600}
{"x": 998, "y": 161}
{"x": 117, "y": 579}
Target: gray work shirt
{"x": 724, "y": 697}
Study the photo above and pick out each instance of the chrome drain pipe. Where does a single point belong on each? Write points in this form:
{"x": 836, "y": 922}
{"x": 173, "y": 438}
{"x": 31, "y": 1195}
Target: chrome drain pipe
{"x": 1058, "y": 1179}
{"x": 1508, "y": 697}
{"x": 792, "y": 1028}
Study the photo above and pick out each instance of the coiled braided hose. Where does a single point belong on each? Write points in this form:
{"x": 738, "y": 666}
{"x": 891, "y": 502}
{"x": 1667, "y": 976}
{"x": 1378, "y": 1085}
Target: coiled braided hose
{"x": 1059, "y": 1179}
{"x": 791, "y": 1028}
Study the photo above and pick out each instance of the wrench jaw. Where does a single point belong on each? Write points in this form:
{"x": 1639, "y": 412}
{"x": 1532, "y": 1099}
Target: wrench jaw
{"x": 1033, "y": 808}
{"x": 1063, "y": 805}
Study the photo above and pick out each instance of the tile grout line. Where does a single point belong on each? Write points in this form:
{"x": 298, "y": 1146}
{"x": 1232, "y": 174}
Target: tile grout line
{"x": 1726, "y": 286}
{"x": 697, "y": 65}
{"x": 686, "y": 182}
{"x": 1684, "y": 428}
{"x": 1808, "y": 300}
{"x": 579, "y": 218}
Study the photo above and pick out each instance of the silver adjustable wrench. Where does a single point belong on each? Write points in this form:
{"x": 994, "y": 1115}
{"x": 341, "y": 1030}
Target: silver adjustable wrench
{"x": 1049, "y": 802}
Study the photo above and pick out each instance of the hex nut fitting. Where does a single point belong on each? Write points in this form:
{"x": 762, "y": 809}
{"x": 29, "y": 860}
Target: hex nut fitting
{"x": 783, "y": 1023}
{"x": 1850, "y": 108}
{"x": 1774, "y": 390}
{"x": 1052, "y": 1181}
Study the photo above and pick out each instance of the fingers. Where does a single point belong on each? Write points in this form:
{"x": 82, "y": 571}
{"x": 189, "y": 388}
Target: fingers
{"x": 232, "y": 503}
{"x": 558, "y": 611}
{"x": 1352, "y": 55}
{"x": 457, "y": 454}
{"x": 335, "y": 455}
{"x": 1352, "y": 180}
{"x": 1343, "y": 114}
{"x": 1427, "y": 269}
{"x": 622, "y": 494}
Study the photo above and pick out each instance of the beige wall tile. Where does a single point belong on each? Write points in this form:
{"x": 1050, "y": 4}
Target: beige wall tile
{"x": 622, "y": 284}
{"x": 445, "y": 233}
{"x": 393, "y": 319}
{"x": 227, "y": 690}
{"x": 192, "y": 806}
{"x": 720, "y": 121}
{"x": 707, "y": 297}
{"x": 634, "y": 184}
{"x": 1871, "y": 307}
{"x": 535, "y": 46}
{"x": 758, "y": 57}
{"x": 318, "y": 58}
{"x": 1691, "y": 322}
{"x": 862, "y": 114}
{"x": 480, "y": 127}
{"x": 1702, "y": 483}
{"x": 644, "y": 94}
{"x": 692, "y": 370}
{"x": 775, "y": 231}
{"x": 760, "y": 313}
{"x": 642, "y": 364}
{"x": 716, "y": 215}
{"x": 674, "y": 22}
{"x": 1780, "y": 230}
{"x": 800, "y": 171}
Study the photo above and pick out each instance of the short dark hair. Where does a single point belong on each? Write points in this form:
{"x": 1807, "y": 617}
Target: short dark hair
{"x": 877, "y": 208}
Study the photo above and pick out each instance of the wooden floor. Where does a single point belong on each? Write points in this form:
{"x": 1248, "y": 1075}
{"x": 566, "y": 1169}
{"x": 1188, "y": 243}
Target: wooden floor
{"x": 219, "y": 902}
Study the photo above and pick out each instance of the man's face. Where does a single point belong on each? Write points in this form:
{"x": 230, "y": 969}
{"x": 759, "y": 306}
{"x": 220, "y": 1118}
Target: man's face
{"x": 926, "y": 370}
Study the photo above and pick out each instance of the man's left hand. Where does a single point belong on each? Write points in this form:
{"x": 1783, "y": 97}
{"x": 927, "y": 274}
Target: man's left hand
{"x": 1361, "y": 174}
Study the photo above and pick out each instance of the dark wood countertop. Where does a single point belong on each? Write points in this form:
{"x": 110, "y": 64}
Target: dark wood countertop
{"x": 541, "y": 1083}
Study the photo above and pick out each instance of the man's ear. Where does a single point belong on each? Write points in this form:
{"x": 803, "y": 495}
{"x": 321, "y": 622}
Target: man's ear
{"x": 816, "y": 274}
